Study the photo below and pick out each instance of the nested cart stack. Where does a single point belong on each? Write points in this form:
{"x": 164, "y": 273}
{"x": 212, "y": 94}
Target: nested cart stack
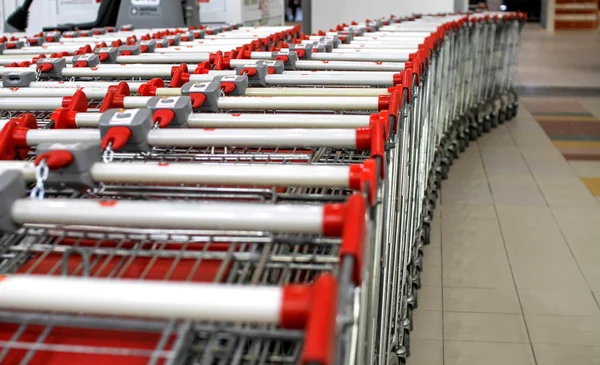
{"x": 232, "y": 195}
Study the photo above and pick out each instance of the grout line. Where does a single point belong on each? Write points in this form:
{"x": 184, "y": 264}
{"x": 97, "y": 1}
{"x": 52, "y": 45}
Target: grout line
{"x": 439, "y": 206}
{"x": 508, "y": 257}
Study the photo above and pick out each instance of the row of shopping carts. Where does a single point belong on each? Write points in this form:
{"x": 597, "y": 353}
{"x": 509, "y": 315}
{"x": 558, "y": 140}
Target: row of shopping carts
{"x": 233, "y": 195}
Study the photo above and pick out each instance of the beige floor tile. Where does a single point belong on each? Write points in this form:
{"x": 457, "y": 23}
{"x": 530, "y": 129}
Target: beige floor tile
{"x": 479, "y": 196}
{"x": 564, "y": 330}
{"x": 463, "y": 231}
{"x": 518, "y": 195}
{"x": 588, "y": 257}
{"x": 466, "y": 184}
{"x": 529, "y": 226}
{"x": 477, "y": 267}
{"x": 579, "y": 225}
{"x": 428, "y": 325}
{"x": 562, "y": 191}
{"x": 430, "y": 298}
{"x": 597, "y": 295}
{"x": 435, "y": 236}
{"x": 481, "y": 300}
{"x": 546, "y": 354}
{"x": 539, "y": 275}
{"x": 586, "y": 168}
{"x": 488, "y": 353}
{"x": 468, "y": 211}
{"x": 487, "y": 327}
{"x": 432, "y": 267}
{"x": 426, "y": 352}
{"x": 520, "y": 180}
{"x": 559, "y": 302}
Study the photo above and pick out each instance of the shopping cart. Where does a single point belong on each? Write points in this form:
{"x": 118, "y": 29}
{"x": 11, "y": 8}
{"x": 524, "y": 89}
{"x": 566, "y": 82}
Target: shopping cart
{"x": 349, "y": 190}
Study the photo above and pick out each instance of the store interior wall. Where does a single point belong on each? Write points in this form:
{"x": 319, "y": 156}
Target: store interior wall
{"x": 324, "y": 14}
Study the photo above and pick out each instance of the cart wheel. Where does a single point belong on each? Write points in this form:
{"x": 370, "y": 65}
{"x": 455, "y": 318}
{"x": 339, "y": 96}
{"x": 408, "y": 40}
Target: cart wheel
{"x": 510, "y": 112}
{"x": 487, "y": 124}
{"x": 394, "y": 359}
{"x": 515, "y": 109}
{"x": 466, "y": 139}
{"x": 456, "y": 150}
{"x": 494, "y": 120}
{"x": 473, "y": 134}
{"x": 479, "y": 130}
{"x": 418, "y": 266}
{"x": 406, "y": 342}
{"x": 409, "y": 315}
{"x": 415, "y": 298}
{"x": 462, "y": 145}
{"x": 426, "y": 234}
{"x": 444, "y": 172}
{"x": 502, "y": 117}
{"x": 417, "y": 281}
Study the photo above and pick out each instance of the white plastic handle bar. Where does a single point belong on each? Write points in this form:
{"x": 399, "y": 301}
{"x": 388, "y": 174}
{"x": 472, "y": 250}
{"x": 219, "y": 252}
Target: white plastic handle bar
{"x": 136, "y": 298}
{"x": 299, "y": 103}
{"x": 392, "y": 46}
{"x": 349, "y": 66}
{"x": 338, "y": 138}
{"x": 162, "y": 57}
{"x": 306, "y": 91}
{"x": 331, "y": 78}
{"x": 389, "y": 51}
{"x": 43, "y": 49}
{"x": 185, "y": 173}
{"x": 357, "y": 56}
{"x": 30, "y": 104}
{"x": 247, "y": 120}
{"x": 133, "y": 85}
{"x": 116, "y": 72}
{"x": 198, "y": 215}
{"x": 91, "y": 93}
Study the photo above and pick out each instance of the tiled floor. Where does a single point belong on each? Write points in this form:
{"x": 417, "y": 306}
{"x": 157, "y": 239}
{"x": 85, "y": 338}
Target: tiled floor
{"x": 512, "y": 275}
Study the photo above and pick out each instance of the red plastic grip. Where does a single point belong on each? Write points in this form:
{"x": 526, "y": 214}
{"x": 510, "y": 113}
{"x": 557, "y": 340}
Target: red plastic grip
{"x": 56, "y": 159}
{"x": 295, "y": 306}
{"x": 118, "y": 136}
{"x": 13, "y": 137}
{"x": 353, "y": 237}
{"x": 333, "y": 219}
{"x": 320, "y": 337}
{"x": 163, "y": 117}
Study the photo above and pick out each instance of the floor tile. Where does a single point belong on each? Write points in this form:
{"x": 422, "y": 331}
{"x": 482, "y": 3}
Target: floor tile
{"x": 560, "y": 302}
{"x": 564, "y": 330}
{"x": 488, "y": 327}
{"x": 428, "y": 325}
{"x": 426, "y": 352}
{"x": 432, "y": 268}
{"x": 586, "y": 168}
{"x": 538, "y": 275}
{"x": 468, "y": 211}
{"x": 481, "y": 196}
{"x": 435, "y": 236}
{"x": 484, "y": 267}
{"x": 488, "y": 353}
{"x": 578, "y": 225}
{"x": 481, "y": 300}
{"x": 565, "y": 191}
{"x": 518, "y": 195}
{"x": 430, "y": 298}
{"x": 463, "y": 231}
{"x": 546, "y": 354}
